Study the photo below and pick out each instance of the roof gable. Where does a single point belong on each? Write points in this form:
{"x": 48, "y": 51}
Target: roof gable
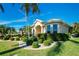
{"x": 38, "y": 20}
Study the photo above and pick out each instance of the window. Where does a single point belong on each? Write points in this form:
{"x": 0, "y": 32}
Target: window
{"x": 48, "y": 28}
{"x": 55, "y": 28}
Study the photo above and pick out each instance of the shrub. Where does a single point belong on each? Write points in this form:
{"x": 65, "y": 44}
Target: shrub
{"x": 59, "y": 37}
{"x": 7, "y": 37}
{"x": 33, "y": 38}
{"x": 62, "y": 37}
{"x": 24, "y": 38}
{"x": 17, "y": 38}
{"x": 54, "y": 37}
{"x": 40, "y": 40}
{"x": 38, "y": 35}
{"x": 66, "y": 36}
{"x": 29, "y": 42}
{"x": 46, "y": 43}
{"x": 49, "y": 38}
{"x": 42, "y": 36}
{"x": 11, "y": 39}
{"x": 35, "y": 45}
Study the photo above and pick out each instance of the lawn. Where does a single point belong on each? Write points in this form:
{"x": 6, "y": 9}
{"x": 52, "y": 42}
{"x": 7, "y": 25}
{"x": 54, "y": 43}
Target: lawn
{"x": 67, "y": 48}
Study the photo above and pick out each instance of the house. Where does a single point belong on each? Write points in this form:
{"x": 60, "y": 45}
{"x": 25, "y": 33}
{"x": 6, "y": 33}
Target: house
{"x": 52, "y": 26}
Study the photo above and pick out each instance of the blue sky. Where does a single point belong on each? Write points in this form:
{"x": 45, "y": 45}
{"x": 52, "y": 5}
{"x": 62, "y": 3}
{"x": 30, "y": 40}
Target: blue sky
{"x": 14, "y": 16}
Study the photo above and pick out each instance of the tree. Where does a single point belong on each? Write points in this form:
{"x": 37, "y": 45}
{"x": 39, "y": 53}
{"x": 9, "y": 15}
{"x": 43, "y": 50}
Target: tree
{"x": 1, "y": 7}
{"x": 3, "y": 29}
{"x": 26, "y": 29}
{"x": 7, "y": 30}
{"x": 76, "y": 27}
{"x": 28, "y": 6}
{"x": 25, "y": 6}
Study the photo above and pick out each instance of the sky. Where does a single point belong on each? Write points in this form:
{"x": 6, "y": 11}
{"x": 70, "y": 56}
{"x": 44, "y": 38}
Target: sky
{"x": 14, "y": 16}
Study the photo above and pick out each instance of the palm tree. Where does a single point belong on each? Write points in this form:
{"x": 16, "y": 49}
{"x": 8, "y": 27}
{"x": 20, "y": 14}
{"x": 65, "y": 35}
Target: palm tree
{"x": 25, "y": 29}
{"x": 3, "y": 29}
{"x": 1, "y": 7}
{"x": 26, "y": 6}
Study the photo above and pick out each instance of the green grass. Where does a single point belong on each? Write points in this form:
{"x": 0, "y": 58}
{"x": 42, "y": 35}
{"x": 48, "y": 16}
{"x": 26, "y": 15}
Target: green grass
{"x": 5, "y": 46}
{"x": 67, "y": 48}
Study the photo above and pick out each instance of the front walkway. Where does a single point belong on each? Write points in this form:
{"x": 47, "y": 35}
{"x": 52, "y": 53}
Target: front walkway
{"x": 41, "y": 47}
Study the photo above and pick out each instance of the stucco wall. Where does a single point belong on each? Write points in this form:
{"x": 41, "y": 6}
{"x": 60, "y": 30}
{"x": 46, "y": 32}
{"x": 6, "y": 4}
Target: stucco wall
{"x": 43, "y": 29}
{"x": 63, "y": 29}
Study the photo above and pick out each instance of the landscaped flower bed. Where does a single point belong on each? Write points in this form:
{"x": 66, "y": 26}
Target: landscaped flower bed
{"x": 46, "y": 39}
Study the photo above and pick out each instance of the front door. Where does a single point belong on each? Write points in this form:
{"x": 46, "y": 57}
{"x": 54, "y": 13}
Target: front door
{"x": 55, "y": 28}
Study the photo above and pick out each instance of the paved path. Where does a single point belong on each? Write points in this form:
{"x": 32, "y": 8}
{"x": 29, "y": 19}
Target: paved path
{"x": 41, "y": 47}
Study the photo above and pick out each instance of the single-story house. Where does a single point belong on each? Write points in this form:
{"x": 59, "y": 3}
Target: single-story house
{"x": 52, "y": 26}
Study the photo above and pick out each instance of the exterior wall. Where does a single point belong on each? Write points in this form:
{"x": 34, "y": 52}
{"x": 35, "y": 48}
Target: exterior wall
{"x": 63, "y": 29}
{"x": 51, "y": 27}
{"x": 43, "y": 28}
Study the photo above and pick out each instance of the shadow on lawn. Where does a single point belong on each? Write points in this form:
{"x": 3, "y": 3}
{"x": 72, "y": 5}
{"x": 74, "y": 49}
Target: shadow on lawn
{"x": 10, "y": 50}
{"x": 74, "y": 41}
{"x": 54, "y": 51}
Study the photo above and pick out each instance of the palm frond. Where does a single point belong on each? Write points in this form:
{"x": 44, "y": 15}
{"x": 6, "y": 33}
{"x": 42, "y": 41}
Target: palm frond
{"x": 28, "y": 6}
{"x": 1, "y": 8}
{"x": 35, "y": 8}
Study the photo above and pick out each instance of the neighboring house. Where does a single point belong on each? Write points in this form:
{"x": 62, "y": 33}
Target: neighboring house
{"x": 52, "y": 26}
{"x": 21, "y": 32}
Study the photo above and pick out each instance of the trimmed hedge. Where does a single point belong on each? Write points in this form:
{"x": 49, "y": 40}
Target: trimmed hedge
{"x": 54, "y": 37}
{"x": 24, "y": 38}
{"x": 60, "y": 37}
{"x": 47, "y": 43}
{"x": 29, "y": 42}
{"x": 35, "y": 45}
{"x": 17, "y": 38}
{"x": 49, "y": 38}
{"x": 40, "y": 40}
{"x": 42, "y": 36}
{"x": 33, "y": 38}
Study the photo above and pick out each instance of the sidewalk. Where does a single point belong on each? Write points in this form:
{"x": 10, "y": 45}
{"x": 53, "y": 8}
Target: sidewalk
{"x": 41, "y": 47}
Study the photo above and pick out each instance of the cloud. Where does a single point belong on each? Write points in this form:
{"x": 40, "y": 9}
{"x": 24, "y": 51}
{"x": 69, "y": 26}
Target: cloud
{"x": 21, "y": 20}
{"x": 9, "y": 22}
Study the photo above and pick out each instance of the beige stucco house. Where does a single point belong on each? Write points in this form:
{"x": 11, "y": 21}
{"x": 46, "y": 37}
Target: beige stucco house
{"x": 52, "y": 26}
